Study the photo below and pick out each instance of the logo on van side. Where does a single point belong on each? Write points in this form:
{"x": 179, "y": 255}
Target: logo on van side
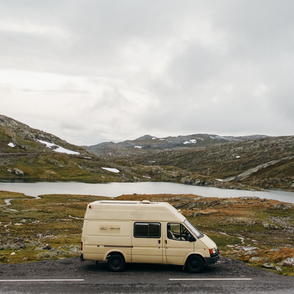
{"x": 109, "y": 229}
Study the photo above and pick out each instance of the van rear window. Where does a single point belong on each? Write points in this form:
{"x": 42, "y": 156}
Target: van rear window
{"x": 147, "y": 230}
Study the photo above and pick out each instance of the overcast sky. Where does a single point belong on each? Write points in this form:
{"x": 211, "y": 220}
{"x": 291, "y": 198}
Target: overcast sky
{"x": 91, "y": 71}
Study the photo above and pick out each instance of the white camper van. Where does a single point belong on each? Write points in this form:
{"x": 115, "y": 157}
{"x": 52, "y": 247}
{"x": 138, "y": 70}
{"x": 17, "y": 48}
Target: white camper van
{"x": 119, "y": 232}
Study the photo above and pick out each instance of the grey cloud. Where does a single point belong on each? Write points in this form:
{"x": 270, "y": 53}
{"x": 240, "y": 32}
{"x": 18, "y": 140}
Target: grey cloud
{"x": 159, "y": 67}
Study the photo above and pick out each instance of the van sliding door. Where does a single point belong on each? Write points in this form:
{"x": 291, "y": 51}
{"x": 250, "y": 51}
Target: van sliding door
{"x": 147, "y": 242}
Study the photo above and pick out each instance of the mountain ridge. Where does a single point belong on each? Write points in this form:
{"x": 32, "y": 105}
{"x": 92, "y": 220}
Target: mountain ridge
{"x": 148, "y": 142}
{"x": 244, "y": 162}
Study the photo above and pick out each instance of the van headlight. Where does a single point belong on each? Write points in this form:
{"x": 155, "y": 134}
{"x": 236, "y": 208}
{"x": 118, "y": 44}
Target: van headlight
{"x": 213, "y": 251}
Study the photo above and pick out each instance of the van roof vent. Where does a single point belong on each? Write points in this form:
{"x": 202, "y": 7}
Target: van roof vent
{"x": 146, "y": 202}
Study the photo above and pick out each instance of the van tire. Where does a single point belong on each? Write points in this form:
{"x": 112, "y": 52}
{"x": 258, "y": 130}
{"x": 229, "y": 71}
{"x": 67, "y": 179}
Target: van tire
{"x": 116, "y": 263}
{"x": 195, "y": 264}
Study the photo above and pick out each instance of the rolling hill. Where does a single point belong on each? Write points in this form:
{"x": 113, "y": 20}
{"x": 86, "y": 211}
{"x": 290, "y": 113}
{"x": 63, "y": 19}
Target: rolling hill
{"x": 248, "y": 162}
{"x": 31, "y": 154}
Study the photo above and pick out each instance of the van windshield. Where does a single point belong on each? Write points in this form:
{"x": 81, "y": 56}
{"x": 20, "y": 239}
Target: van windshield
{"x": 193, "y": 230}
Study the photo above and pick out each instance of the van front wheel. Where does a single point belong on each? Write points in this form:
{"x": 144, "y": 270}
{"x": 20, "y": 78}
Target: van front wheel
{"x": 195, "y": 264}
{"x": 116, "y": 263}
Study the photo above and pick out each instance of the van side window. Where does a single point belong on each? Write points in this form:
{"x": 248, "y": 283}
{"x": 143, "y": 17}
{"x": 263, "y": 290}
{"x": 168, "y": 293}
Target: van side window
{"x": 147, "y": 230}
{"x": 177, "y": 232}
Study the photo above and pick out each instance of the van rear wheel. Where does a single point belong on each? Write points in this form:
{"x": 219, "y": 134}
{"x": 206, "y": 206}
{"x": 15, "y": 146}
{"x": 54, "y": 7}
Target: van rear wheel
{"x": 116, "y": 263}
{"x": 195, "y": 264}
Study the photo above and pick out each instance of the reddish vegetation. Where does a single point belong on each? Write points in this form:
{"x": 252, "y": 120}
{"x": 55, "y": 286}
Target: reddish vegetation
{"x": 234, "y": 223}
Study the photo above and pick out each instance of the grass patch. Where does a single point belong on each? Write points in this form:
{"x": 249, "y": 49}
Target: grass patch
{"x": 236, "y": 224}
{"x": 29, "y": 224}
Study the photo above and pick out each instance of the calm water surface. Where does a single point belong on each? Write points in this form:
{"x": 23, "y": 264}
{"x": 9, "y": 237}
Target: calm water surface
{"x": 117, "y": 189}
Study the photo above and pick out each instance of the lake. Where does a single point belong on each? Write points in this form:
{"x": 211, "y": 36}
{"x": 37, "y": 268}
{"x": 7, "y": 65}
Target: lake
{"x": 117, "y": 189}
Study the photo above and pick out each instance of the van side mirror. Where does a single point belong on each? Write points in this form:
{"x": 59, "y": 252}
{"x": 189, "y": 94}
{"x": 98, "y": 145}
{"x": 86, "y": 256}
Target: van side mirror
{"x": 191, "y": 238}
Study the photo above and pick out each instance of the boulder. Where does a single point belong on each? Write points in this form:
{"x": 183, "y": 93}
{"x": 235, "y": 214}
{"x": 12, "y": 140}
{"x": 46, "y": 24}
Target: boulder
{"x": 18, "y": 172}
{"x": 250, "y": 252}
{"x": 275, "y": 249}
{"x": 282, "y": 206}
{"x": 47, "y": 247}
{"x": 288, "y": 261}
{"x": 247, "y": 248}
{"x": 268, "y": 265}
{"x": 179, "y": 205}
{"x": 202, "y": 213}
{"x": 270, "y": 226}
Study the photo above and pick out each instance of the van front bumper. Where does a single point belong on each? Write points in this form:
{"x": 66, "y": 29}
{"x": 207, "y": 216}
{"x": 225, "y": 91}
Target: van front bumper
{"x": 211, "y": 260}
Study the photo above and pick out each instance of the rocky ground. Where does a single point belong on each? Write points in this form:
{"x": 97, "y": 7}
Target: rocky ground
{"x": 258, "y": 232}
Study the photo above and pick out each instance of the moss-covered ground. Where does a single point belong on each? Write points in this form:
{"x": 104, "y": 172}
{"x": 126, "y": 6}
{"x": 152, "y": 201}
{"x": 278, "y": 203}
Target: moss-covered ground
{"x": 27, "y": 225}
{"x": 256, "y": 231}
{"x": 243, "y": 228}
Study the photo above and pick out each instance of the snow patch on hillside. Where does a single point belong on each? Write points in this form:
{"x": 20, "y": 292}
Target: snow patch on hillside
{"x": 192, "y": 141}
{"x": 58, "y": 148}
{"x": 113, "y": 170}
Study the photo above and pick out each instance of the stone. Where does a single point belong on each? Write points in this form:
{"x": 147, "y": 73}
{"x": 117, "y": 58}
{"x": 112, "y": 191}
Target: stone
{"x": 288, "y": 261}
{"x": 268, "y": 265}
{"x": 47, "y": 247}
{"x": 202, "y": 213}
{"x": 277, "y": 268}
{"x": 179, "y": 205}
{"x": 74, "y": 248}
{"x": 275, "y": 249}
{"x": 270, "y": 226}
{"x": 282, "y": 206}
{"x": 250, "y": 252}
{"x": 18, "y": 172}
{"x": 248, "y": 248}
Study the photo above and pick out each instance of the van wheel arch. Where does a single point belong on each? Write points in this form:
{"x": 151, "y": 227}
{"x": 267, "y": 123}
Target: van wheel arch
{"x": 195, "y": 263}
{"x": 116, "y": 262}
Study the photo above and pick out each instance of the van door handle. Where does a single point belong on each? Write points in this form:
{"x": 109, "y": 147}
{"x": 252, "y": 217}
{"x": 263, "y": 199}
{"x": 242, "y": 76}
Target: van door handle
{"x": 158, "y": 241}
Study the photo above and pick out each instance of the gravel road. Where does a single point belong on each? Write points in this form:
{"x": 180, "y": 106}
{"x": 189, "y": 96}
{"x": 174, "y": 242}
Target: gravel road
{"x": 74, "y": 268}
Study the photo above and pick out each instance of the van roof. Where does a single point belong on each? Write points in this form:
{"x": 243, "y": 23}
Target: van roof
{"x": 132, "y": 210}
